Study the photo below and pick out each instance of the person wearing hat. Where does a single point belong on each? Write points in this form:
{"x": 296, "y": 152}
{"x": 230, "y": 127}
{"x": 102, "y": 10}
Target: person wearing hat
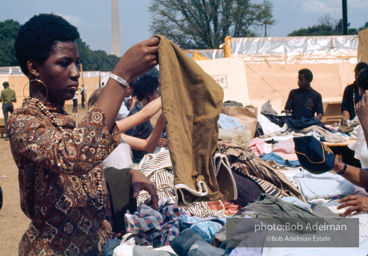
{"x": 317, "y": 158}
{"x": 7, "y": 97}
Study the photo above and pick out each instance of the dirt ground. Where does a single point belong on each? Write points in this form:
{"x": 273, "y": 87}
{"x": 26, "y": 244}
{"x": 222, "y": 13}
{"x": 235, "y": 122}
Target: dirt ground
{"x": 13, "y": 222}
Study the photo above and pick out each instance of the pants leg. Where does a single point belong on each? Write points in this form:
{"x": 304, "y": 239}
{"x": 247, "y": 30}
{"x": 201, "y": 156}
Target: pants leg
{"x": 7, "y": 107}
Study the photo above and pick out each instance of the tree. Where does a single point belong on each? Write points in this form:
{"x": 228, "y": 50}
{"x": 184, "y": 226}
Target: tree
{"x": 8, "y": 33}
{"x": 325, "y": 27}
{"x": 91, "y": 60}
{"x": 201, "y": 24}
{"x": 364, "y": 26}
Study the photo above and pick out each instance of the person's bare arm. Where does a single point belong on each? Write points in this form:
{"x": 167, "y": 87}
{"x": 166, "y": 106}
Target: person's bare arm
{"x": 145, "y": 114}
{"x": 355, "y": 175}
{"x": 150, "y": 143}
{"x": 319, "y": 116}
{"x": 346, "y": 115}
{"x": 139, "y": 59}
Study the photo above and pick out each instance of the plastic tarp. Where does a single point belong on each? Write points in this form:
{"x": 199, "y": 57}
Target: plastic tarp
{"x": 288, "y": 50}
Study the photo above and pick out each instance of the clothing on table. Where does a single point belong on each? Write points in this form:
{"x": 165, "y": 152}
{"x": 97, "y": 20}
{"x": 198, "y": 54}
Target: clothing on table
{"x": 325, "y": 185}
{"x": 350, "y": 98}
{"x": 297, "y": 124}
{"x": 271, "y": 181}
{"x": 7, "y": 97}
{"x": 190, "y": 243}
{"x": 142, "y": 131}
{"x": 155, "y": 227}
{"x": 61, "y": 180}
{"x": 192, "y": 103}
{"x": 158, "y": 169}
{"x": 326, "y": 133}
{"x": 304, "y": 103}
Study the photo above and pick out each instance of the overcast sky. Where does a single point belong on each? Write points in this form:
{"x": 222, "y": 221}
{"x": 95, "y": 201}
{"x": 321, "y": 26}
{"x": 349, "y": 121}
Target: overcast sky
{"x": 93, "y": 20}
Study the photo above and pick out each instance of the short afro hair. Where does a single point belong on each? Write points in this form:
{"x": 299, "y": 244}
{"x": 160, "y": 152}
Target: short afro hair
{"x": 360, "y": 66}
{"x": 37, "y": 37}
{"x": 362, "y": 80}
{"x": 307, "y": 74}
{"x": 144, "y": 86}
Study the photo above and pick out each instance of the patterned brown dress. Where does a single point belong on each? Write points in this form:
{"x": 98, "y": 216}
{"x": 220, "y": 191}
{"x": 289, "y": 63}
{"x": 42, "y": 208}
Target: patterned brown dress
{"x": 61, "y": 180}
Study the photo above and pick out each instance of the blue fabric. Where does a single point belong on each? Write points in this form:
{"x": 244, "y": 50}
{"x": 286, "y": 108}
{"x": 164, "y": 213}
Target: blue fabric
{"x": 279, "y": 160}
{"x": 301, "y": 123}
{"x": 205, "y": 227}
{"x": 297, "y": 202}
{"x": 110, "y": 246}
{"x": 228, "y": 122}
{"x": 313, "y": 155}
{"x": 325, "y": 185}
{"x": 201, "y": 248}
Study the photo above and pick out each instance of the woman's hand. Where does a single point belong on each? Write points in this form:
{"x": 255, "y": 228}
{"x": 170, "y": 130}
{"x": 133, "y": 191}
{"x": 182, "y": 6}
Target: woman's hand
{"x": 162, "y": 142}
{"x": 139, "y": 59}
{"x": 140, "y": 182}
{"x": 358, "y": 204}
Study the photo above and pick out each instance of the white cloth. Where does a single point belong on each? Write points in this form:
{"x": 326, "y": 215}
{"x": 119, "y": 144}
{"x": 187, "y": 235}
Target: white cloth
{"x": 123, "y": 112}
{"x": 360, "y": 148}
{"x": 120, "y": 158}
{"x": 267, "y": 126}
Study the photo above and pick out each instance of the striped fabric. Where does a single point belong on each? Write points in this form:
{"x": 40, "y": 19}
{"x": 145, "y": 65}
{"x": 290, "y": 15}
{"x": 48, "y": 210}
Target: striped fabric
{"x": 246, "y": 163}
{"x": 158, "y": 169}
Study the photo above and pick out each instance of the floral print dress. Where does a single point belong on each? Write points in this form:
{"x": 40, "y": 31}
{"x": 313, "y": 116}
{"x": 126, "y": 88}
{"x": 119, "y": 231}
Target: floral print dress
{"x": 61, "y": 180}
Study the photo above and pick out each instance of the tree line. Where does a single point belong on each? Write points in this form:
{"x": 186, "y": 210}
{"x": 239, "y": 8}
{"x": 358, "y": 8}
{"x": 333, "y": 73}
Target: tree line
{"x": 91, "y": 60}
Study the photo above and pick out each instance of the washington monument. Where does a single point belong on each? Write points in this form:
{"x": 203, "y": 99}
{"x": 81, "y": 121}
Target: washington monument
{"x": 115, "y": 28}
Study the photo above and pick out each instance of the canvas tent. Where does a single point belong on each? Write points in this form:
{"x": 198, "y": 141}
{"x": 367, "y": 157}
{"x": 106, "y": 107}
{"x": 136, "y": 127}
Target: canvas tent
{"x": 271, "y": 66}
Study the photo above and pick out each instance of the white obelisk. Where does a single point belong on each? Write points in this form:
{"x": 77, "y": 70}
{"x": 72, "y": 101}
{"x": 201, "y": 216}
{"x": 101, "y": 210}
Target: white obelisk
{"x": 115, "y": 28}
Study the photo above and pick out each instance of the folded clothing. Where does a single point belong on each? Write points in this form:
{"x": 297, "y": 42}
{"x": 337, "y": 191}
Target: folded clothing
{"x": 326, "y": 185}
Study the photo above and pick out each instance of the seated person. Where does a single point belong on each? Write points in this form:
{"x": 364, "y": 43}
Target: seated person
{"x": 357, "y": 176}
{"x": 305, "y": 101}
{"x": 145, "y": 90}
{"x": 351, "y": 95}
{"x": 121, "y": 157}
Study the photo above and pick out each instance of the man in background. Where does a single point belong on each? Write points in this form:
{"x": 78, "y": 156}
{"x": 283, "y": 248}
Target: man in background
{"x": 351, "y": 95}
{"x": 83, "y": 91}
{"x": 304, "y": 102}
{"x": 7, "y": 97}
